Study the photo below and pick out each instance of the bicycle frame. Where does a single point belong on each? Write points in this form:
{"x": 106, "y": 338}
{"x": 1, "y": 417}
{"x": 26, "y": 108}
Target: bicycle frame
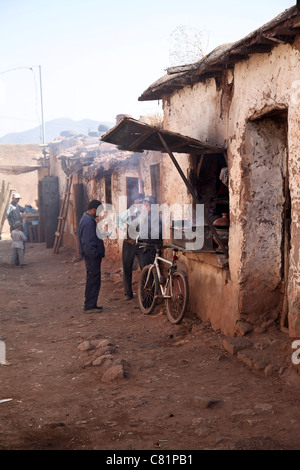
{"x": 155, "y": 265}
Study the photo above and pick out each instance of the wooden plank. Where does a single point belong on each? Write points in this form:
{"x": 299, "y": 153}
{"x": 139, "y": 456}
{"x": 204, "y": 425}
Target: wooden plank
{"x": 140, "y": 139}
{"x": 273, "y": 39}
{"x": 7, "y": 192}
{"x": 200, "y": 165}
{"x": 63, "y": 215}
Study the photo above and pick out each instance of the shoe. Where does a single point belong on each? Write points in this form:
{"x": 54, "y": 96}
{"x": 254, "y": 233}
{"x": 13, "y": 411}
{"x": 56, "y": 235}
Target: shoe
{"x": 128, "y": 297}
{"x": 96, "y": 308}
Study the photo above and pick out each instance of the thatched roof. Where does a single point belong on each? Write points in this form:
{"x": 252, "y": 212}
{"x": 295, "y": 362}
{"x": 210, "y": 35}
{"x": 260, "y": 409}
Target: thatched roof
{"x": 281, "y": 30}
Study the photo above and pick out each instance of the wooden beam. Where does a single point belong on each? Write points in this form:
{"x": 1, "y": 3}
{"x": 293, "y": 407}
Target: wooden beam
{"x": 200, "y": 165}
{"x": 273, "y": 39}
{"x": 285, "y": 31}
{"x": 140, "y": 139}
{"x": 5, "y": 200}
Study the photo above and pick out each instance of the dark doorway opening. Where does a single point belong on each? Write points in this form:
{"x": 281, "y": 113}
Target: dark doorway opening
{"x": 132, "y": 188}
{"x": 155, "y": 182}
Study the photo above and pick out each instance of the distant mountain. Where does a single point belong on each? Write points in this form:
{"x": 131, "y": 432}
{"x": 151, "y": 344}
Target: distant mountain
{"x": 54, "y": 128}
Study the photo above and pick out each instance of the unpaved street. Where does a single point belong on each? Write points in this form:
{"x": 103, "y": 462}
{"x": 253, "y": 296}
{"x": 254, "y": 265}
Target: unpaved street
{"x": 119, "y": 380}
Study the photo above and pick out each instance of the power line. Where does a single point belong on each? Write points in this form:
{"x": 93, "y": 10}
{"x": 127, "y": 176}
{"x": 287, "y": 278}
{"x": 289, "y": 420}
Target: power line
{"x": 12, "y": 70}
{"x": 40, "y": 121}
{"x": 19, "y": 119}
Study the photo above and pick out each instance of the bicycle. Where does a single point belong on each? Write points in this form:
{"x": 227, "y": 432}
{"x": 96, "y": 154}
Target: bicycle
{"x": 173, "y": 289}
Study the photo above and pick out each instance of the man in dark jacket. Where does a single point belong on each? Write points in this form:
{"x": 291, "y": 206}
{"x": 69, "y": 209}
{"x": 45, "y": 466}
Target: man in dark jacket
{"x": 152, "y": 223}
{"x": 92, "y": 250}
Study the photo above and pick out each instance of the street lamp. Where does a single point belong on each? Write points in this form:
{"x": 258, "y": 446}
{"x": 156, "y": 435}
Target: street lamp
{"x": 43, "y": 145}
{"x": 42, "y": 114}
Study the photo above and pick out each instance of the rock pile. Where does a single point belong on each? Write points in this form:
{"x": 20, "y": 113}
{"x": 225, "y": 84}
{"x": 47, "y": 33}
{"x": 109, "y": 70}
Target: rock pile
{"x": 102, "y": 354}
{"x": 270, "y": 356}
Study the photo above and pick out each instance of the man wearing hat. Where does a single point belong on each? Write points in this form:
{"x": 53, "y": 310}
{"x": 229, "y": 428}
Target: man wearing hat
{"x": 14, "y": 211}
{"x": 130, "y": 251}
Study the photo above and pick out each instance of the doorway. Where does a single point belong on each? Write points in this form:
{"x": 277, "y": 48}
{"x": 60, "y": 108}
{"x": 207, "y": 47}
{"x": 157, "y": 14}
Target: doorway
{"x": 132, "y": 188}
{"x": 266, "y": 209}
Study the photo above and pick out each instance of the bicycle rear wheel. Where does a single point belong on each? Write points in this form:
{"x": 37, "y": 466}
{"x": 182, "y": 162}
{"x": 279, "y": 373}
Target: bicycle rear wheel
{"x": 147, "y": 289}
{"x": 178, "y": 290}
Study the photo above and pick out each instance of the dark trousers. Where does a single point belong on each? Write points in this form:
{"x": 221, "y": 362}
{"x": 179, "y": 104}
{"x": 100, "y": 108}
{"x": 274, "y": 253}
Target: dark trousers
{"x": 148, "y": 255}
{"x": 129, "y": 252}
{"x": 93, "y": 281}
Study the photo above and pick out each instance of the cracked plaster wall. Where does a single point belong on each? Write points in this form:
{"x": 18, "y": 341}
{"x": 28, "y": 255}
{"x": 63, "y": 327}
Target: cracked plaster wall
{"x": 220, "y": 113}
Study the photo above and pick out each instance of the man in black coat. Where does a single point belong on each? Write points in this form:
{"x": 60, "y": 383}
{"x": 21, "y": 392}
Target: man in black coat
{"x": 152, "y": 232}
{"x": 92, "y": 250}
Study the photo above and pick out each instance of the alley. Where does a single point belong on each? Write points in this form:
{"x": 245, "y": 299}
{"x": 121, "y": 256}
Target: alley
{"x": 164, "y": 387}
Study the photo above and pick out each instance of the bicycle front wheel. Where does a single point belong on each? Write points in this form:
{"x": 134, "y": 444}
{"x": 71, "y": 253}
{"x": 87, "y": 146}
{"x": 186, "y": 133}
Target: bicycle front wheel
{"x": 147, "y": 289}
{"x": 178, "y": 291}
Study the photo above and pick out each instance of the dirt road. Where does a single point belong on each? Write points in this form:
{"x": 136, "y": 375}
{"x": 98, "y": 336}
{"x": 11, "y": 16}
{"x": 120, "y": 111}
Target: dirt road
{"x": 119, "y": 380}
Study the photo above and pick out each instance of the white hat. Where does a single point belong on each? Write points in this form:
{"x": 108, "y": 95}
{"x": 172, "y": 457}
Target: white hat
{"x": 16, "y": 196}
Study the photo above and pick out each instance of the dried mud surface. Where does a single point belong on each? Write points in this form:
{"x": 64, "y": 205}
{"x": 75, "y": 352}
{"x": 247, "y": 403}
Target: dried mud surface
{"x": 177, "y": 388}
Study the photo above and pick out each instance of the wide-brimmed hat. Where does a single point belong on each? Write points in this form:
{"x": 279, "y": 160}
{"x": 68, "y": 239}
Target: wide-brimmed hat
{"x": 16, "y": 196}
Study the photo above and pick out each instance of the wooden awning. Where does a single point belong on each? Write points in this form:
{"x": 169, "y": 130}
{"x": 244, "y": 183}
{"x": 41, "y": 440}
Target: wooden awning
{"x": 136, "y": 136}
{"x": 17, "y": 170}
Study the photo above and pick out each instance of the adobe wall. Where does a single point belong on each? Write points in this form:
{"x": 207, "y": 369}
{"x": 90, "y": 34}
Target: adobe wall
{"x": 235, "y": 113}
{"x": 96, "y": 190}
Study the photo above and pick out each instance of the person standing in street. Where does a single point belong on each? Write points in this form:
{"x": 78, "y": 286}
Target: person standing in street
{"x": 18, "y": 247}
{"x": 14, "y": 211}
{"x": 130, "y": 249}
{"x": 92, "y": 250}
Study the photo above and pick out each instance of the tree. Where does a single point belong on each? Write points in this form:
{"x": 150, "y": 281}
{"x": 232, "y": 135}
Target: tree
{"x": 102, "y": 128}
{"x": 188, "y": 45}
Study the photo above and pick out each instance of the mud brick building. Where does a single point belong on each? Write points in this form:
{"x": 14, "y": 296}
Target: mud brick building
{"x": 235, "y": 110}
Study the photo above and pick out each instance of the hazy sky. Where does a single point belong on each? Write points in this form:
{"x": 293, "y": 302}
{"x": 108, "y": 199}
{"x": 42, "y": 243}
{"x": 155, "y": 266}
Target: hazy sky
{"x": 97, "y": 57}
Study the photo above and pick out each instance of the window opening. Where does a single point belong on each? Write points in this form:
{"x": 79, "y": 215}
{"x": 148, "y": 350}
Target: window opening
{"x": 209, "y": 176}
{"x": 108, "y": 194}
{"x": 155, "y": 181}
{"x": 132, "y": 188}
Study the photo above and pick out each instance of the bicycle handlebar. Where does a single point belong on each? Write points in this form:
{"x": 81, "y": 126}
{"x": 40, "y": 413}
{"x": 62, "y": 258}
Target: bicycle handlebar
{"x": 156, "y": 245}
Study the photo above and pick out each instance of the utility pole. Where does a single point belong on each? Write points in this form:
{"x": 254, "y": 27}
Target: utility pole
{"x": 42, "y": 114}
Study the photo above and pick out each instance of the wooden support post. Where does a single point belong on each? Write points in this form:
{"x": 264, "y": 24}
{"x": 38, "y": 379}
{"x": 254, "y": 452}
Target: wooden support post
{"x": 6, "y": 192}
